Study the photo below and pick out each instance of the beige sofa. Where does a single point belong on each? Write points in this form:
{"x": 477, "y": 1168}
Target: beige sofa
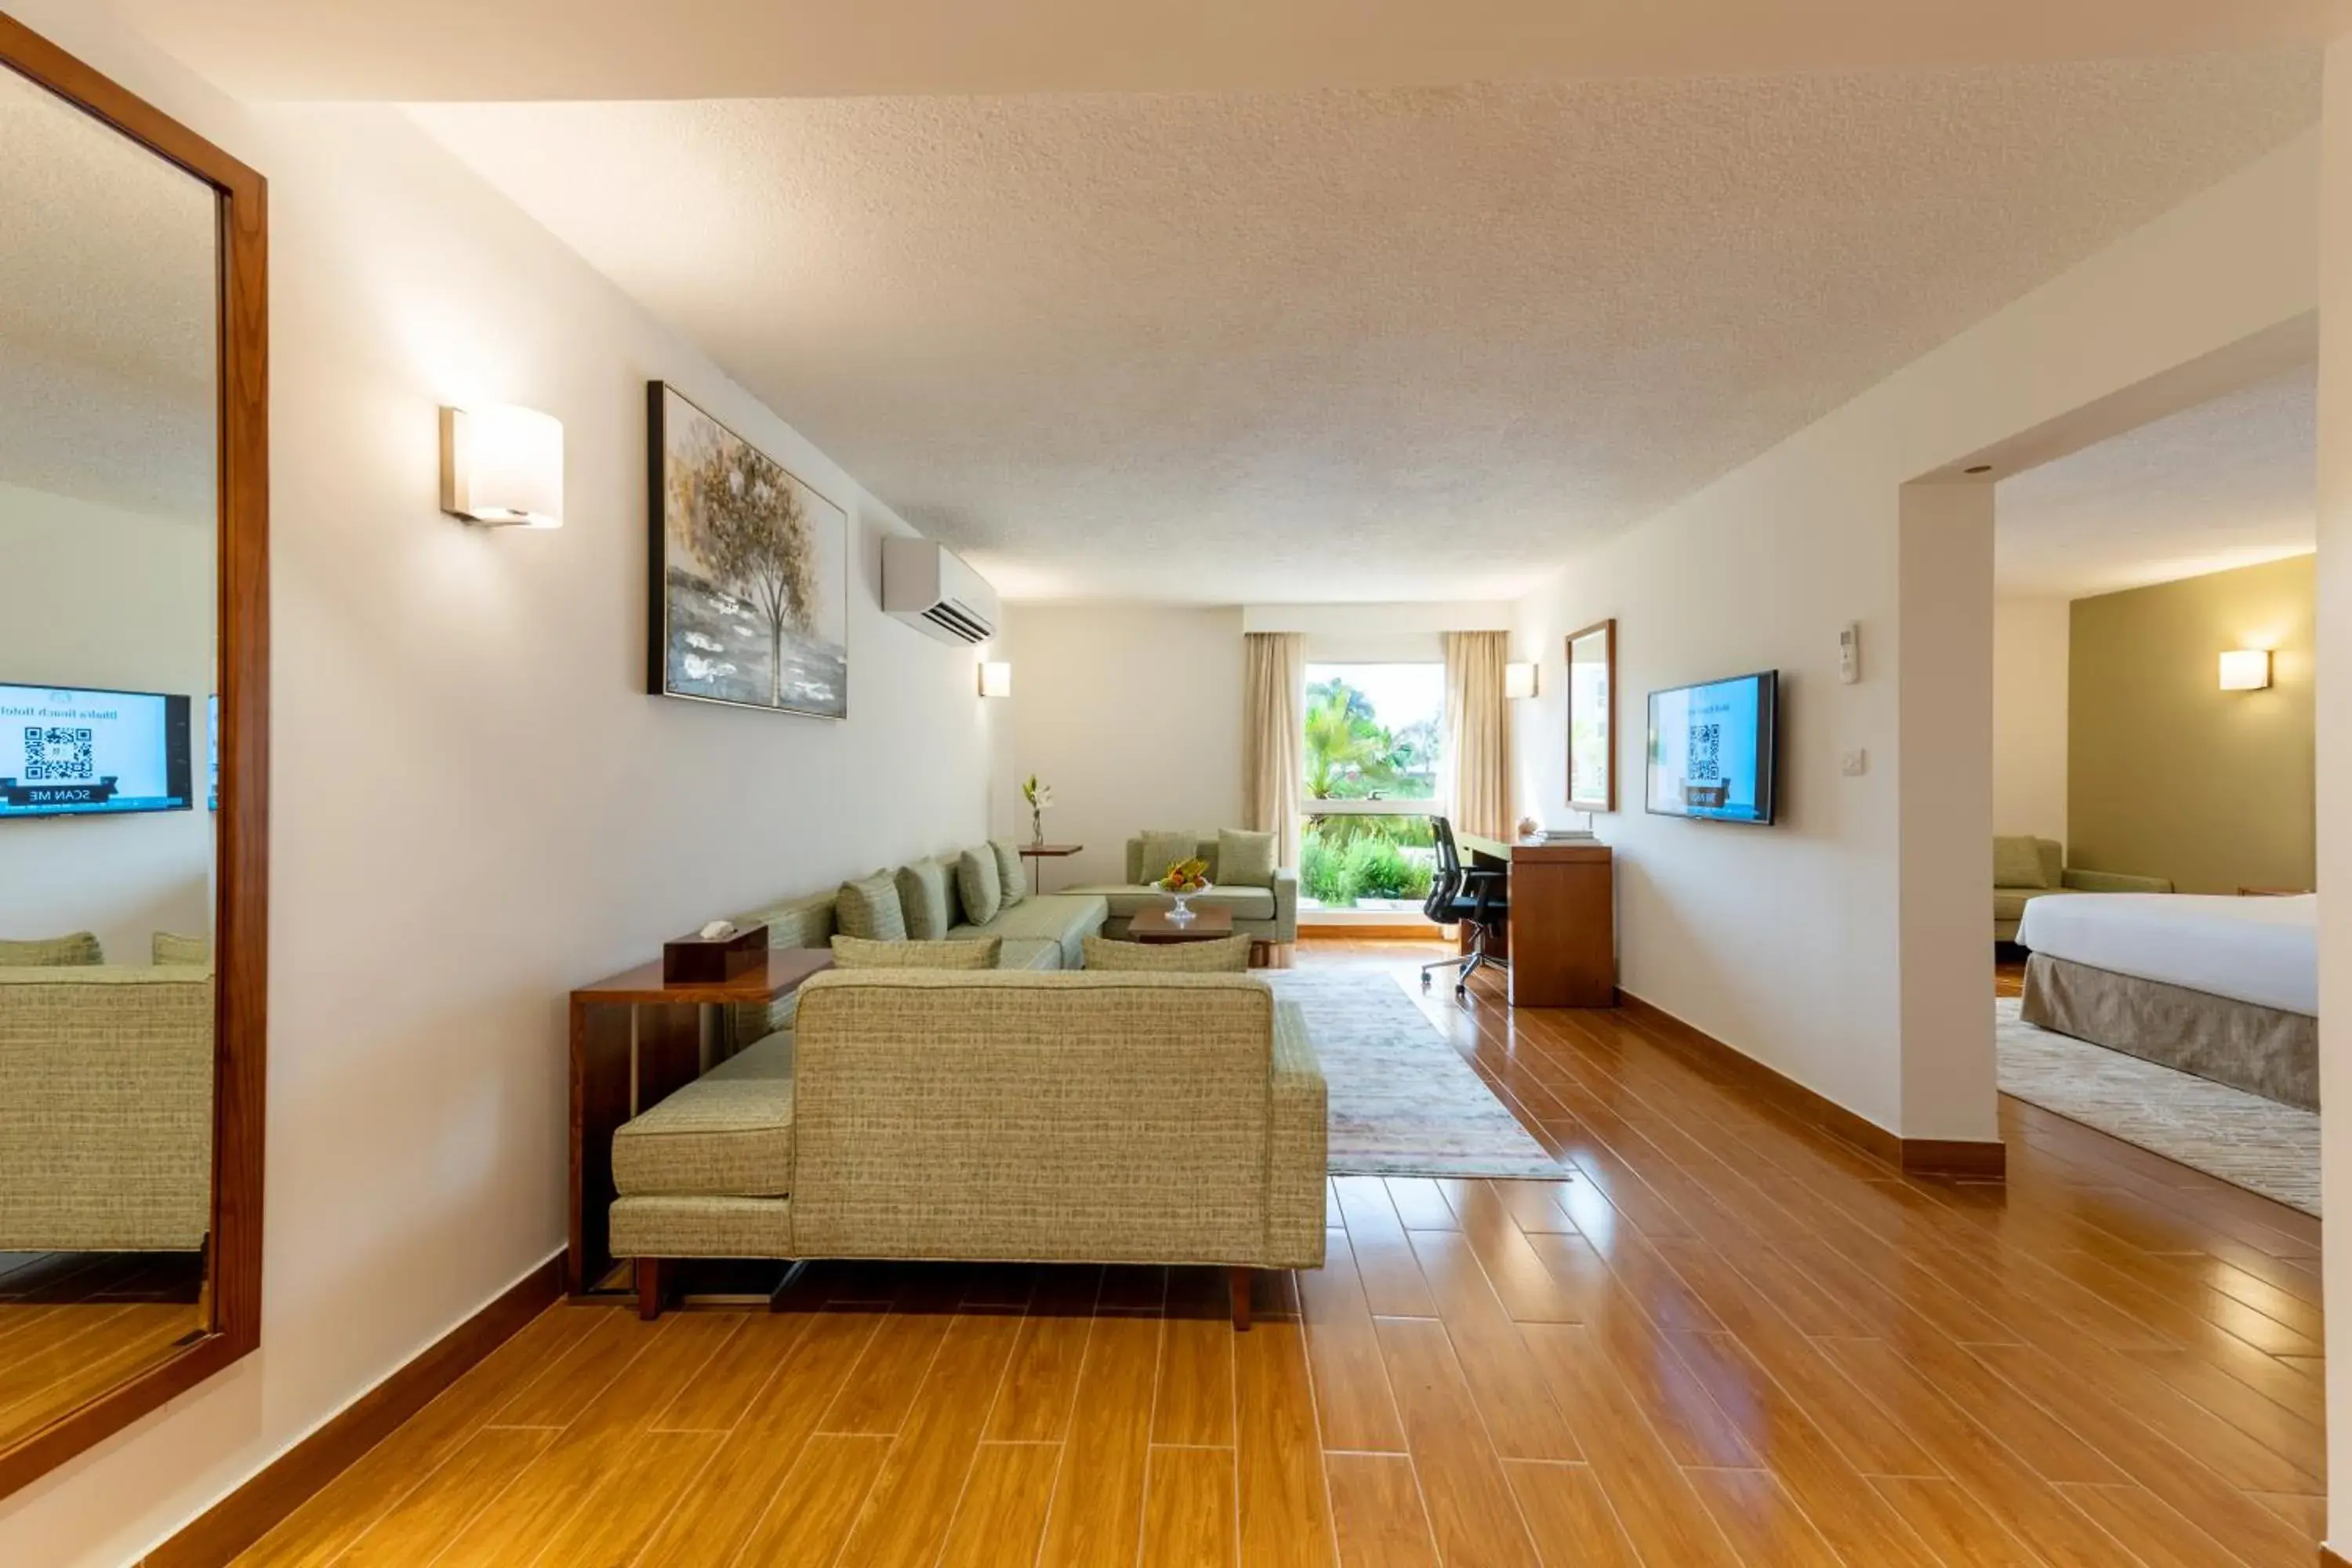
{"x": 2009, "y": 898}
{"x": 1269, "y": 914}
{"x": 106, "y": 1108}
{"x": 1007, "y": 1115}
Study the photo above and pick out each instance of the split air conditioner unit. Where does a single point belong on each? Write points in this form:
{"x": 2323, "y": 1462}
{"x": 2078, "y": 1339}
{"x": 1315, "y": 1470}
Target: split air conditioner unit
{"x": 929, "y": 587}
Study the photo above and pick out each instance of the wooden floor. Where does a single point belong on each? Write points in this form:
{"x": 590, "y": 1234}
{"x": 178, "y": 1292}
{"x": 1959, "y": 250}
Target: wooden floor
{"x": 73, "y": 1325}
{"x": 1720, "y": 1339}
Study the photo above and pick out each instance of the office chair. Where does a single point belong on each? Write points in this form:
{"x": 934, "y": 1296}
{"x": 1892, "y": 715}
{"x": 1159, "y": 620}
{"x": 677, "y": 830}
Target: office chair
{"x": 1478, "y": 894}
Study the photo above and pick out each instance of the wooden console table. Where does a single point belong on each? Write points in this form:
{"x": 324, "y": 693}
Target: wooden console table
{"x": 634, "y": 1042}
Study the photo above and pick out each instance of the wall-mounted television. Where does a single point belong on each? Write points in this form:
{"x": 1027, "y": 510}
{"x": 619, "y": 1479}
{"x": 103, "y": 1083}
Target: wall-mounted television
{"x": 1711, "y": 750}
{"x": 83, "y": 751}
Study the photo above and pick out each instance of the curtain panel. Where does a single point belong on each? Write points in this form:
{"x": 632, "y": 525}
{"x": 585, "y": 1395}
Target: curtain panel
{"x": 1479, "y": 733}
{"x": 1273, "y": 770}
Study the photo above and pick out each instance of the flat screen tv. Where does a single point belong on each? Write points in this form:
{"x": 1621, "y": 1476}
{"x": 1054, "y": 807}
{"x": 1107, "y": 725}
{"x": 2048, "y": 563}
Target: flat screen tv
{"x": 80, "y": 752}
{"x": 1711, "y": 750}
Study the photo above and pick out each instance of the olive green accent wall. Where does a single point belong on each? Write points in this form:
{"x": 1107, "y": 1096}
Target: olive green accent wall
{"x": 2168, "y": 775}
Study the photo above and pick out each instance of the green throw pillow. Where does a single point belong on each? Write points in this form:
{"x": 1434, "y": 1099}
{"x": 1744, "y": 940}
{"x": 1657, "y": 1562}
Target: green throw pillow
{"x": 52, "y": 952}
{"x": 2017, "y": 863}
{"x": 869, "y": 908}
{"x": 923, "y": 897}
{"x": 171, "y": 949}
{"x": 1220, "y": 955}
{"x": 976, "y": 881}
{"x": 1244, "y": 859}
{"x": 854, "y": 952}
{"x": 1011, "y": 881}
{"x": 1161, "y": 851}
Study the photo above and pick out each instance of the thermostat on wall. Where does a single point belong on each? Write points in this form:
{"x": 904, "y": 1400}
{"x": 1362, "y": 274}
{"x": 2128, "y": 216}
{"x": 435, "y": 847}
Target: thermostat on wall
{"x": 1850, "y": 654}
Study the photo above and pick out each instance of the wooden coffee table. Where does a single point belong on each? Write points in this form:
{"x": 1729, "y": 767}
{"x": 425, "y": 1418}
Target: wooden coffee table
{"x": 1209, "y": 923}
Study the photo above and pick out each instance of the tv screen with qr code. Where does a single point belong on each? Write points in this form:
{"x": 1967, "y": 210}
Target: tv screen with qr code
{"x": 1711, "y": 750}
{"x": 76, "y": 752}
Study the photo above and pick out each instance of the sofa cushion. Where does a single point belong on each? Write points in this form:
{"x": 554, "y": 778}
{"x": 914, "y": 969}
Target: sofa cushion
{"x": 727, "y": 1135}
{"x": 1011, "y": 881}
{"x": 923, "y": 898}
{"x": 52, "y": 952}
{"x": 1219, "y": 956}
{"x": 167, "y": 948}
{"x": 870, "y": 908}
{"x": 2017, "y": 863}
{"x": 1247, "y": 903}
{"x": 1202, "y": 849}
{"x": 2008, "y": 904}
{"x": 795, "y": 923}
{"x": 977, "y": 881}
{"x": 1062, "y": 917}
{"x": 1161, "y": 851}
{"x": 1029, "y": 953}
{"x": 856, "y": 952}
{"x": 1244, "y": 859}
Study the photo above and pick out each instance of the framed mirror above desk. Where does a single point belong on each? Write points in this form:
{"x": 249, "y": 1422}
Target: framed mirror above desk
{"x": 133, "y": 756}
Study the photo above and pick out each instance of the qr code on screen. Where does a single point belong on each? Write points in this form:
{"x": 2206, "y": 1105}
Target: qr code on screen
{"x": 1705, "y": 753}
{"x": 52, "y": 753}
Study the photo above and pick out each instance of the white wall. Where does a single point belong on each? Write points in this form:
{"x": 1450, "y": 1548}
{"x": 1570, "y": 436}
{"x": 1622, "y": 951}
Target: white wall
{"x": 476, "y": 806}
{"x": 1133, "y": 713}
{"x": 1794, "y": 944}
{"x": 2029, "y": 716}
{"x": 96, "y": 597}
{"x": 2334, "y": 745}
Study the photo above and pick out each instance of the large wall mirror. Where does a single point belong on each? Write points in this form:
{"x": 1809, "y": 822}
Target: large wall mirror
{"x": 133, "y": 753}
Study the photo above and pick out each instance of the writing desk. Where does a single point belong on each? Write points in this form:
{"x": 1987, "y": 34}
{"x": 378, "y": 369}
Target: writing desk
{"x": 1562, "y": 938}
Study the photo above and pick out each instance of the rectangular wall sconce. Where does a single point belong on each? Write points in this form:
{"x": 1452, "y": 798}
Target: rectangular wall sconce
{"x": 1518, "y": 681}
{"x": 995, "y": 678}
{"x": 2246, "y": 669}
{"x": 502, "y": 467}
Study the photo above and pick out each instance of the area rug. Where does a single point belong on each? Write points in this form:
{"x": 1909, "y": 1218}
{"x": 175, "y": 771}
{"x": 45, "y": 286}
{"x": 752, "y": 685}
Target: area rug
{"x": 2243, "y": 1138}
{"x": 1403, "y": 1103}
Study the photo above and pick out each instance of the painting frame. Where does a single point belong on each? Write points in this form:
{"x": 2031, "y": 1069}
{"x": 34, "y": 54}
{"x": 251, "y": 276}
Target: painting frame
{"x": 788, "y": 552}
{"x": 1591, "y": 736}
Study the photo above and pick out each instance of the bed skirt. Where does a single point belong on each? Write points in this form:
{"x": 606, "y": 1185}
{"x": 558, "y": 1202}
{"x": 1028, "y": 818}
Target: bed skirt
{"x": 2261, "y": 1050}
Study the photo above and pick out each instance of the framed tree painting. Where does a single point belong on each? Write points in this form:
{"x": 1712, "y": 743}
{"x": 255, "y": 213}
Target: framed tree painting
{"x": 1592, "y": 718}
{"x": 750, "y": 571}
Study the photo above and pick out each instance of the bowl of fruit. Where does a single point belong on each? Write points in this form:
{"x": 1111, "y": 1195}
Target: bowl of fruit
{"x": 1181, "y": 882}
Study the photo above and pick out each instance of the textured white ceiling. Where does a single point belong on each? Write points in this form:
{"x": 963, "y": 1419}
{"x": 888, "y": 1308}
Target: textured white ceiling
{"x": 2230, "y": 483}
{"x": 513, "y": 49}
{"x": 1351, "y": 344}
{"x": 107, "y": 313}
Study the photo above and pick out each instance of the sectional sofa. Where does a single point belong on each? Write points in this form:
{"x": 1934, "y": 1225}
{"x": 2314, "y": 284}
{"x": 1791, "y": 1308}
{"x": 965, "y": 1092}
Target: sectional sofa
{"x": 1269, "y": 913}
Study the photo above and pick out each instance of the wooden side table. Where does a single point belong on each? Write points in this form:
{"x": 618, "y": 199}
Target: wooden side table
{"x": 1038, "y": 854}
{"x": 634, "y": 1042}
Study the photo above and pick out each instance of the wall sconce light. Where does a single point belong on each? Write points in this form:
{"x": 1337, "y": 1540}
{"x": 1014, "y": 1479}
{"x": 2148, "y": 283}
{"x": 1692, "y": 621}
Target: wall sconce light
{"x": 502, "y": 467}
{"x": 1518, "y": 681}
{"x": 995, "y": 678}
{"x": 2246, "y": 669}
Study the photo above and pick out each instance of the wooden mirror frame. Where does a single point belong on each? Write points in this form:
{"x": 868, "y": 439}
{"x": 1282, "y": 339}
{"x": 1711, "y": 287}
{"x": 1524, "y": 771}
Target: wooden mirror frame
{"x": 241, "y": 852}
{"x": 1607, "y": 799}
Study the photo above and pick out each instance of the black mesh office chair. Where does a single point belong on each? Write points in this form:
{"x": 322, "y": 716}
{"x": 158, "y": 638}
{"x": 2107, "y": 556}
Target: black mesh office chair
{"x": 1479, "y": 895}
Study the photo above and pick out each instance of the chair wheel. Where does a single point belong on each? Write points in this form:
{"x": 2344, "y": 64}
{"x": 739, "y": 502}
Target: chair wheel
{"x": 1425, "y": 980}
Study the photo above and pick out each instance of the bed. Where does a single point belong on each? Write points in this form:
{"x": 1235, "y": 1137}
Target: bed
{"x": 2225, "y": 988}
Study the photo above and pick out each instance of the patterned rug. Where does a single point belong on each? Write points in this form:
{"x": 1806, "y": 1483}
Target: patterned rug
{"x": 1403, "y": 1103}
{"x": 2243, "y": 1138}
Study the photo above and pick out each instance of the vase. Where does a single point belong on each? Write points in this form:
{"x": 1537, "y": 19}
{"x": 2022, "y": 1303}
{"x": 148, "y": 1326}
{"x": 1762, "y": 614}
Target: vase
{"x": 1037, "y": 827}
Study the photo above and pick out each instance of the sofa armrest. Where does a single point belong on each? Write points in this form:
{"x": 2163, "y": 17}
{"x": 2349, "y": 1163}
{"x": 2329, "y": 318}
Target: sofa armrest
{"x": 1297, "y": 1133}
{"x": 1286, "y": 904}
{"x": 2113, "y": 882}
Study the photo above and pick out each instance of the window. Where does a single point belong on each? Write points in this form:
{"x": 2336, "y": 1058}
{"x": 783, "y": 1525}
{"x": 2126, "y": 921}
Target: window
{"x": 1373, "y": 754}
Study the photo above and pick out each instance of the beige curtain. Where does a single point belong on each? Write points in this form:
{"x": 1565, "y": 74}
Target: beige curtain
{"x": 1274, "y": 678}
{"x": 1479, "y": 733}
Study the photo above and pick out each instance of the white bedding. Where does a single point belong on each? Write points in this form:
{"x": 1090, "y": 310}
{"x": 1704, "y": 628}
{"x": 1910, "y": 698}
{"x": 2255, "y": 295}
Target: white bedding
{"x": 2263, "y": 951}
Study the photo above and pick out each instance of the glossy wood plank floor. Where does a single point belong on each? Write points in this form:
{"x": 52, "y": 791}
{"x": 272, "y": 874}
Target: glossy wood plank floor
{"x": 1719, "y": 1339}
{"x": 74, "y": 1324}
